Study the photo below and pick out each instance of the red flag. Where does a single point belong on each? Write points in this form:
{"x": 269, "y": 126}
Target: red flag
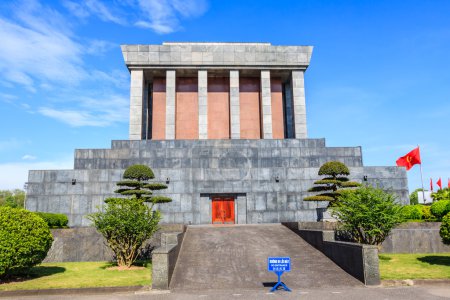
{"x": 431, "y": 184}
{"x": 409, "y": 159}
{"x": 448, "y": 185}
{"x": 439, "y": 183}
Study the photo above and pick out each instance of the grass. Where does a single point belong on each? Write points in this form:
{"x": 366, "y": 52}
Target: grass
{"x": 415, "y": 266}
{"x": 78, "y": 275}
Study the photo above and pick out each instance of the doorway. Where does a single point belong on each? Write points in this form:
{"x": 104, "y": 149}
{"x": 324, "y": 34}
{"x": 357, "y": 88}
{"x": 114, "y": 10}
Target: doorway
{"x": 223, "y": 210}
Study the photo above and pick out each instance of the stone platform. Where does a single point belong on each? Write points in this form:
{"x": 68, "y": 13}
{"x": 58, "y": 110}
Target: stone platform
{"x": 267, "y": 178}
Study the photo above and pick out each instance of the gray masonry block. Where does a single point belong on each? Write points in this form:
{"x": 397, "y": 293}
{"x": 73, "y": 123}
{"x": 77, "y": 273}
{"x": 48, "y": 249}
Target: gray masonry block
{"x": 199, "y": 169}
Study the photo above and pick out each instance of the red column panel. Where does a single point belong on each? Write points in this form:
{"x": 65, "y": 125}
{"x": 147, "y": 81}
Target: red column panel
{"x": 186, "y": 119}
{"x": 277, "y": 108}
{"x": 159, "y": 109}
{"x": 249, "y": 88}
{"x": 218, "y": 108}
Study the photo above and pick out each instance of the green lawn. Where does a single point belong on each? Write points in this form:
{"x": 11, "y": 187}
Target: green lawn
{"x": 415, "y": 266}
{"x": 79, "y": 275}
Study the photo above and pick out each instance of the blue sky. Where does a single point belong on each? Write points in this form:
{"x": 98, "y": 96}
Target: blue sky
{"x": 379, "y": 75}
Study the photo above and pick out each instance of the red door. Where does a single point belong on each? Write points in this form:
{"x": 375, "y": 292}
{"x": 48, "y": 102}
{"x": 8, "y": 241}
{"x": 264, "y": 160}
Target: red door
{"x": 223, "y": 211}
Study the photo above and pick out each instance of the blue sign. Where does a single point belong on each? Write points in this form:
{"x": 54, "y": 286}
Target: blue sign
{"x": 279, "y": 264}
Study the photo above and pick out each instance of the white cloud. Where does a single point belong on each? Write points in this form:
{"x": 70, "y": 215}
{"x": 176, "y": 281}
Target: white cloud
{"x": 39, "y": 47}
{"x": 161, "y": 16}
{"x": 47, "y": 57}
{"x": 28, "y": 157}
{"x": 99, "y": 112}
{"x": 97, "y": 8}
{"x": 14, "y": 175}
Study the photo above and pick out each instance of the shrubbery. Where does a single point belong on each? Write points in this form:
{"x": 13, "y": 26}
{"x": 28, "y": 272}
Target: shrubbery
{"x": 444, "y": 231}
{"x": 426, "y": 212}
{"x": 24, "y": 240}
{"x": 367, "y": 214}
{"x": 440, "y": 208}
{"x": 412, "y": 212}
{"x": 54, "y": 220}
{"x": 127, "y": 222}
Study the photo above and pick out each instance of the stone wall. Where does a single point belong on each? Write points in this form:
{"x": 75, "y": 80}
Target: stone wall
{"x": 360, "y": 261}
{"x": 411, "y": 237}
{"x": 268, "y": 178}
{"x": 87, "y": 244}
{"x": 415, "y": 238}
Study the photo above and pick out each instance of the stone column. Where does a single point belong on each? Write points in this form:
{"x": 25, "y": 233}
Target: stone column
{"x": 136, "y": 104}
{"x": 298, "y": 96}
{"x": 235, "y": 116}
{"x": 202, "y": 104}
{"x": 170, "y": 104}
{"x": 266, "y": 105}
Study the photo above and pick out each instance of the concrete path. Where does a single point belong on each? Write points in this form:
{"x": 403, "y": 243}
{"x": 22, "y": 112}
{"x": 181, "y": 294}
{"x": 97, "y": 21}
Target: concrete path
{"x": 354, "y": 293}
{"x": 235, "y": 257}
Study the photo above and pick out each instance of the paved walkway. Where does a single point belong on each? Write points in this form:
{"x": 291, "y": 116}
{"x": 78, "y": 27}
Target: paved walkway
{"x": 354, "y": 293}
{"x": 235, "y": 257}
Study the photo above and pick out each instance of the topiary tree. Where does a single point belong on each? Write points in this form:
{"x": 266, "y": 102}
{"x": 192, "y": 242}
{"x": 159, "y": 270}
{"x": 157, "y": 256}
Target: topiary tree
{"x": 367, "y": 214}
{"x": 332, "y": 185}
{"x": 24, "y": 240}
{"x": 444, "y": 230}
{"x": 126, "y": 223}
{"x": 136, "y": 185}
{"x": 440, "y": 208}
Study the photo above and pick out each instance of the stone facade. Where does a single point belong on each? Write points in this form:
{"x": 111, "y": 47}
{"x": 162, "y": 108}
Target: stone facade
{"x": 267, "y": 178}
{"x": 182, "y": 95}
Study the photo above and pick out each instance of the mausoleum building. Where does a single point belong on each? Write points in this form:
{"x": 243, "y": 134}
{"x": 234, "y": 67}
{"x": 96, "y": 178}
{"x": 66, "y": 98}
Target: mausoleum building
{"x": 224, "y": 126}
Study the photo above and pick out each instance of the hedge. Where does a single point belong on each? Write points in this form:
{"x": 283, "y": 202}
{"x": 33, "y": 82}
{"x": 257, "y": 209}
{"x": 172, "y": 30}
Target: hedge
{"x": 54, "y": 220}
{"x": 24, "y": 240}
{"x": 440, "y": 208}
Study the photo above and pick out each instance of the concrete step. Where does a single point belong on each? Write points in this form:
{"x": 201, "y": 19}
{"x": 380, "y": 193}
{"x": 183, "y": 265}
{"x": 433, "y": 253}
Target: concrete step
{"x": 225, "y": 257}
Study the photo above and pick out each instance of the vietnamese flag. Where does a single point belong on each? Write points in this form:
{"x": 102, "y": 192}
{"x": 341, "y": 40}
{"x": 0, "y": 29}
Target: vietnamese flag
{"x": 448, "y": 185}
{"x": 410, "y": 159}
{"x": 431, "y": 184}
{"x": 439, "y": 183}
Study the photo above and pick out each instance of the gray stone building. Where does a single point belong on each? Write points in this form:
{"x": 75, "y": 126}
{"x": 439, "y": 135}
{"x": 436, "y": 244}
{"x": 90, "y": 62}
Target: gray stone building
{"x": 224, "y": 125}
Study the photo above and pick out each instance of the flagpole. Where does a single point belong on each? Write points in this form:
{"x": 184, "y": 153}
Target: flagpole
{"x": 421, "y": 177}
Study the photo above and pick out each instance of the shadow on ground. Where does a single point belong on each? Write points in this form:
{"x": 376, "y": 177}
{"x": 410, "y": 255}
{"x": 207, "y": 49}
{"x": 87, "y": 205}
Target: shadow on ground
{"x": 435, "y": 260}
{"x": 35, "y": 272}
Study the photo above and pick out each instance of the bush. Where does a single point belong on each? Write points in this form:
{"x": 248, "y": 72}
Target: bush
{"x": 54, "y": 220}
{"x": 367, "y": 214}
{"x": 24, "y": 240}
{"x": 440, "y": 208}
{"x": 444, "y": 231}
{"x": 426, "y": 212}
{"x": 412, "y": 212}
{"x": 126, "y": 224}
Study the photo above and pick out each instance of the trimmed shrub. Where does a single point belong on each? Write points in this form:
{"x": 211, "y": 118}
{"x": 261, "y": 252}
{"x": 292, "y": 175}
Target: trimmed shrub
{"x": 440, "y": 208}
{"x": 24, "y": 240}
{"x": 331, "y": 186}
{"x": 426, "y": 212}
{"x": 444, "y": 231}
{"x": 54, "y": 220}
{"x": 412, "y": 212}
{"x": 138, "y": 172}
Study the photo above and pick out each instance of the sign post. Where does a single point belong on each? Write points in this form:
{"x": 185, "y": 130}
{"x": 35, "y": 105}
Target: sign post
{"x": 279, "y": 265}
